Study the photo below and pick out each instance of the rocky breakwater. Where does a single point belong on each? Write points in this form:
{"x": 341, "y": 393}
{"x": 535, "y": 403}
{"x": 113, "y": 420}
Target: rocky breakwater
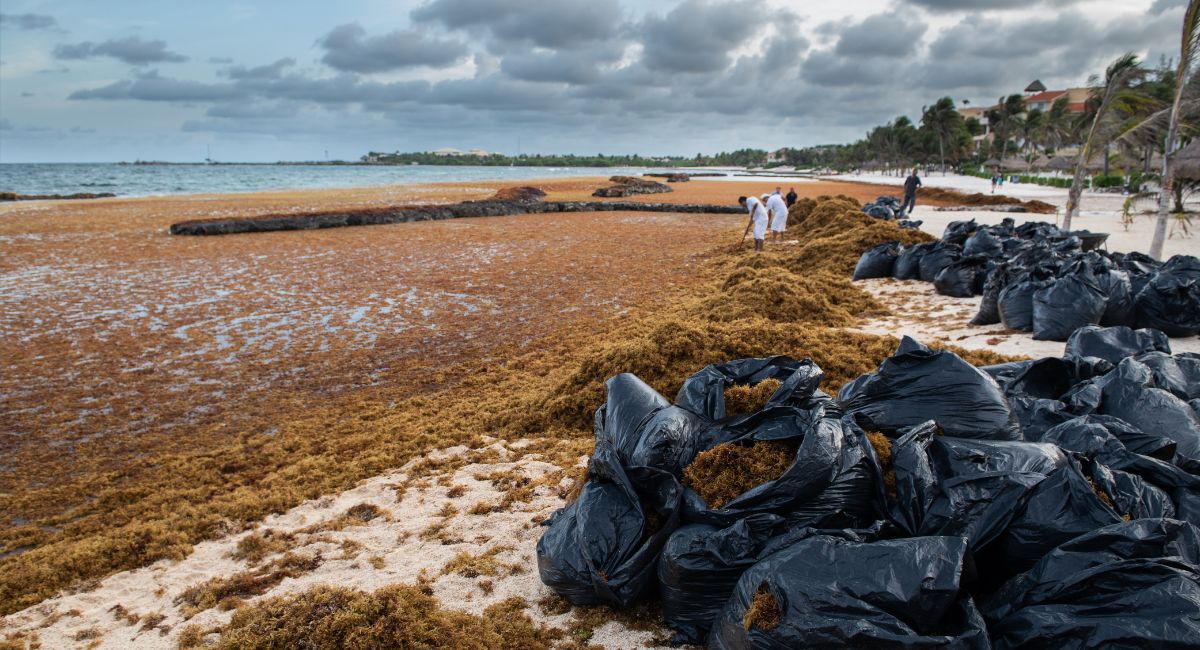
{"x": 631, "y": 186}
{"x": 13, "y": 196}
{"x": 506, "y": 202}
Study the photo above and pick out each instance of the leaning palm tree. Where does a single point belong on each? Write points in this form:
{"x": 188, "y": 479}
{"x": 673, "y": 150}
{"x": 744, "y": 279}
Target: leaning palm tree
{"x": 942, "y": 119}
{"x": 1115, "y": 93}
{"x": 1188, "y": 45}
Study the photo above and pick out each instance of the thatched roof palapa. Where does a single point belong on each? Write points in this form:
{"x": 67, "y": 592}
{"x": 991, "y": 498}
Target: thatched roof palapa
{"x": 1060, "y": 163}
{"x": 991, "y": 162}
{"x": 1185, "y": 163}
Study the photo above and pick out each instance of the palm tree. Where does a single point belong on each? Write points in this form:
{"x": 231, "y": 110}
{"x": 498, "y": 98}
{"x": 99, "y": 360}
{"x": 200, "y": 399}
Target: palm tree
{"x": 1059, "y": 124}
{"x": 1188, "y": 44}
{"x": 1033, "y": 129}
{"x": 1115, "y": 93}
{"x": 942, "y": 119}
{"x": 1007, "y": 115}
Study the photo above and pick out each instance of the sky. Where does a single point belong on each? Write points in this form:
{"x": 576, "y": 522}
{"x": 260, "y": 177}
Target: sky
{"x": 101, "y": 80}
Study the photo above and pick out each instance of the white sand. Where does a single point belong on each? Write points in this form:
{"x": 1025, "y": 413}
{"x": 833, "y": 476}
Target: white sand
{"x": 920, "y": 312}
{"x": 394, "y": 542}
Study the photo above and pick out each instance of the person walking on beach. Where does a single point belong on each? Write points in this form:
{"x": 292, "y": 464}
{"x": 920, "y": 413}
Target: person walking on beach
{"x": 995, "y": 180}
{"x": 779, "y": 214}
{"x": 791, "y": 197}
{"x": 758, "y": 220}
{"x": 910, "y": 192}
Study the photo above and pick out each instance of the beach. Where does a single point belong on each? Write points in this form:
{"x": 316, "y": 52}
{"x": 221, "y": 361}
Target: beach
{"x": 171, "y": 398}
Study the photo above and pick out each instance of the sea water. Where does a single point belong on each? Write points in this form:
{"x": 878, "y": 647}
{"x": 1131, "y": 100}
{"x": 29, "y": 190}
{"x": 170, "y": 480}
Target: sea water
{"x": 156, "y": 179}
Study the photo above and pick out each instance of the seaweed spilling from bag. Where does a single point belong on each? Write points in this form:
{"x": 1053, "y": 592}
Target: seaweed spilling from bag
{"x": 1038, "y": 278}
{"x": 931, "y": 503}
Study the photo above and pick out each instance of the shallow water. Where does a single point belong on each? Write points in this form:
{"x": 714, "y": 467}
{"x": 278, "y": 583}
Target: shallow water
{"x": 144, "y": 180}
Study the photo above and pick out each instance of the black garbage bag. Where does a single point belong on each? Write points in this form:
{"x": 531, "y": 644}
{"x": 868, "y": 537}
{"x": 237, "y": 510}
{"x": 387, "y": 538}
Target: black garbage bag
{"x": 918, "y": 384}
{"x": 1130, "y": 584}
{"x": 1061, "y": 507}
{"x": 908, "y": 264}
{"x": 878, "y": 262}
{"x": 1129, "y": 393}
{"x": 670, "y": 439}
{"x": 1110, "y": 441}
{"x": 1170, "y": 301}
{"x": 1115, "y": 343}
{"x": 910, "y": 224}
{"x": 704, "y": 392}
{"x": 629, "y": 403}
{"x": 1048, "y": 377}
{"x": 1038, "y": 231}
{"x": 1016, "y": 303}
{"x": 1038, "y": 415}
{"x": 1118, "y": 297}
{"x": 1177, "y": 374}
{"x": 879, "y": 211}
{"x": 961, "y": 487}
{"x": 830, "y": 483}
{"x": 989, "y": 306}
{"x": 1139, "y": 264}
{"x": 700, "y": 565}
{"x": 1129, "y": 495}
{"x": 603, "y": 547}
{"x": 938, "y": 258}
{"x": 957, "y": 232}
{"x": 830, "y": 592}
{"x": 983, "y": 242}
{"x": 1063, "y": 307}
{"x": 961, "y": 278}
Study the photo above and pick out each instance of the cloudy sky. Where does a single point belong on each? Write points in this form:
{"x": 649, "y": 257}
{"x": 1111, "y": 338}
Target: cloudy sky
{"x": 106, "y": 80}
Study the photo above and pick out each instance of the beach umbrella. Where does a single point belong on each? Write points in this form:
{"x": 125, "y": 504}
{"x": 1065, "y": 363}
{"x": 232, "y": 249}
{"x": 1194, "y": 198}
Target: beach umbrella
{"x": 1041, "y": 162}
{"x": 1185, "y": 163}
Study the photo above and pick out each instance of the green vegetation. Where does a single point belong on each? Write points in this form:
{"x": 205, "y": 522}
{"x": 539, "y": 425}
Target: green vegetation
{"x": 739, "y": 158}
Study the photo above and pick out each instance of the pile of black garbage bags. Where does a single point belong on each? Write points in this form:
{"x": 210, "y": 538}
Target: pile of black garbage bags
{"x": 1050, "y": 503}
{"x": 1037, "y": 278}
{"x": 887, "y": 208}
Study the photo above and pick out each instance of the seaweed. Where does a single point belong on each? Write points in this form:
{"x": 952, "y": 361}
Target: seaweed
{"x": 749, "y": 398}
{"x": 721, "y": 474}
{"x": 764, "y": 611}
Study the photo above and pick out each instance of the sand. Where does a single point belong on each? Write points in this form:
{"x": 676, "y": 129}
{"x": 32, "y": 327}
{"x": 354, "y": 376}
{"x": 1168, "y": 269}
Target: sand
{"x": 129, "y": 343}
{"x": 382, "y": 551}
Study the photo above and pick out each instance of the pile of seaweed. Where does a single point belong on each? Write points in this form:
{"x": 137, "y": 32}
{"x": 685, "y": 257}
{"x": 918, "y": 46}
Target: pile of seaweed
{"x": 546, "y": 392}
{"x": 1038, "y": 278}
{"x": 931, "y": 503}
{"x": 980, "y": 199}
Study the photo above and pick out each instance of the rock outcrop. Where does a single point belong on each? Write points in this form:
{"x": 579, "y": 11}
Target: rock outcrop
{"x": 13, "y": 196}
{"x": 631, "y": 186}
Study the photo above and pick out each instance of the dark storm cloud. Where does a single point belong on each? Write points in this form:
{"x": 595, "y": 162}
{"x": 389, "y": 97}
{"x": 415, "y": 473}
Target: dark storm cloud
{"x": 892, "y": 34}
{"x": 979, "y": 53}
{"x": 131, "y": 50}
{"x": 348, "y": 48}
{"x": 269, "y": 71}
{"x": 555, "y": 24}
{"x": 698, "y": 35}
{"x": 578, "y": 67}
{"x": 986, "y": 5}
{"x": 28, "y": 22}
{"x": 1160, "y": 6}
{"x": 153, "y": 88}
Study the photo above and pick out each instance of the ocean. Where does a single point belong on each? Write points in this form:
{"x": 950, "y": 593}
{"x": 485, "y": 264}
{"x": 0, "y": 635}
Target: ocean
{"x": 146, "y": 180}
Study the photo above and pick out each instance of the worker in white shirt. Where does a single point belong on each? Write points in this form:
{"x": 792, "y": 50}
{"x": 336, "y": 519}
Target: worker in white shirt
{"x": 779, "y": 214}
{"x": 758, "y": 220}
